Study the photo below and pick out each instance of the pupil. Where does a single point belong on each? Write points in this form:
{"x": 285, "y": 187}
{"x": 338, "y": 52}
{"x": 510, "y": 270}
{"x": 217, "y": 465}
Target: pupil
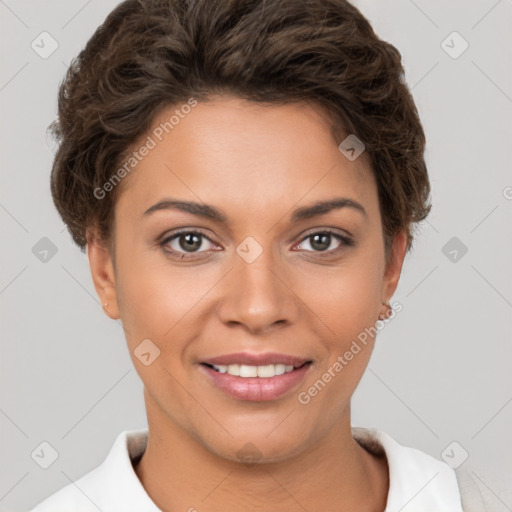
{"x": 321, "y": 241}
{"x": 192, "y": 243}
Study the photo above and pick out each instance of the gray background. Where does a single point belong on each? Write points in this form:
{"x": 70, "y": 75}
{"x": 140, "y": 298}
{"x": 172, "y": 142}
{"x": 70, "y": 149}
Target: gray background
{"x": 441, "y": 371}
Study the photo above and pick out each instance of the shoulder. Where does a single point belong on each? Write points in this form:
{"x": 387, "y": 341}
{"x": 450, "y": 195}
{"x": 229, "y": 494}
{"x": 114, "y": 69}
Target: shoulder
{"x": 466, "y": 488}
{"x": 417, "y": 481}
{"x": 112, "y": 486}
{"x": 77, "y": 496}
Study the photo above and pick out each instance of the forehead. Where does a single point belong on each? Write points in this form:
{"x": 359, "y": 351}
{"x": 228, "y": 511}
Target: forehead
{"x": 251, "y": 155}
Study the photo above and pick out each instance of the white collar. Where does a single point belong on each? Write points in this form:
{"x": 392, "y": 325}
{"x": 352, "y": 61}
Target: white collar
{"x": 418, "y": 482}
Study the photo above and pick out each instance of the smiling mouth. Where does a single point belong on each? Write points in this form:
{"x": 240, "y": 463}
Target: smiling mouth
{"x": 256, "y": 377}
{"x": 264, "y": 372}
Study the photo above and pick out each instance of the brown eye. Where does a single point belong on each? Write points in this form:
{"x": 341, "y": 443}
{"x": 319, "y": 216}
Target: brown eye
{"x": 186, "y": 242}
{"x": 325, "y": 241}
{"x": 321, "y": 241}
{"x": 190, "y": 242}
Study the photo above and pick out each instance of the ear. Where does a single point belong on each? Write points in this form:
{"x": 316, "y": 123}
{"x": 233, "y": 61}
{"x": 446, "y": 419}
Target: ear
{"x": 394, "y": 266}
{"x": 103, "y": 276}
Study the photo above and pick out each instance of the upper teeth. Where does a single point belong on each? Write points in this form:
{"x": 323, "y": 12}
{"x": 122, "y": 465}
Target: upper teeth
{"x": 242, "y": 370}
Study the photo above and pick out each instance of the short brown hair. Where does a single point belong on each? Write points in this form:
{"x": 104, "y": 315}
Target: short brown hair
{"x": 150, "y": 54}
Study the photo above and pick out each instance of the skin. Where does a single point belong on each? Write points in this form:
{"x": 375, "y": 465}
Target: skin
{"x": 256, "y": 163}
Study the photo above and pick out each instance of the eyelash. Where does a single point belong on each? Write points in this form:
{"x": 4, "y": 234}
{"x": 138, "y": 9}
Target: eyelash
{"x": 345, "y": 242}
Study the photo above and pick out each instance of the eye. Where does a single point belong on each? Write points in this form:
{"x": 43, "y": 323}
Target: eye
{"x": 186, "y": 242}
{"x": 322, "y": 241}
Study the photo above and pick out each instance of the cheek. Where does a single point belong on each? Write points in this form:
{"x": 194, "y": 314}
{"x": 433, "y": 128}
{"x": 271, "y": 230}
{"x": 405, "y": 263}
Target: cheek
{"x": 348, "y": 305}
{"x": 155, "y": 297}
{"x": 154, "y": 301}
{"x": 346, "y": 298}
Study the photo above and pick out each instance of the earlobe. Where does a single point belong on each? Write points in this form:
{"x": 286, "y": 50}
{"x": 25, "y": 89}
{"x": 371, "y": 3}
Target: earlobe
{"x": 103, "y": 276}
{"x": 394, "y": 265}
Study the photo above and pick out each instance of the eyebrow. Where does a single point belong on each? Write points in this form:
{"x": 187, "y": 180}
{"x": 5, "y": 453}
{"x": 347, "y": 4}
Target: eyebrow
{"x": 323, "y": 207}
{"x": 200, "y": 209}
{"x": 210, "y": 212}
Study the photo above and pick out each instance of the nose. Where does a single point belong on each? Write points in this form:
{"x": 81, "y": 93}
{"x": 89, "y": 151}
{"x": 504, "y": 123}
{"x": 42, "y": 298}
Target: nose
{"x": 256, "y": 296}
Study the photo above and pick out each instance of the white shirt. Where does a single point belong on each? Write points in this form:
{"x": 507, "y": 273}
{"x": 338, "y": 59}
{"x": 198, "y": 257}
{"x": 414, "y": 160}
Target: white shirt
{"x": 417, "y": 481}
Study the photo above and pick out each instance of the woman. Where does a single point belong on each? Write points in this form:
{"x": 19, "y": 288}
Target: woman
{"x": 246, "y": 177}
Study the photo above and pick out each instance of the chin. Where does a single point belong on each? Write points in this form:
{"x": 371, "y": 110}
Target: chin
{"x": 259, "y": 445}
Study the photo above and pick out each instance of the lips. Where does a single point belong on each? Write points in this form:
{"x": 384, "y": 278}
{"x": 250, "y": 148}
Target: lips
{"x": 256, "y": 377}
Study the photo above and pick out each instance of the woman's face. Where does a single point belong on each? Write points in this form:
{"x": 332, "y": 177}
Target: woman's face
{"x": 253, "y": 284}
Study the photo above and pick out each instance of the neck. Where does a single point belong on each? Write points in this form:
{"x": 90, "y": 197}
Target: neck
{"x": 335, "y": 473}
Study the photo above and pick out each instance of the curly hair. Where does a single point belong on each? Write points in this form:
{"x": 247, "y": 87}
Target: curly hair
{"x": 151, "y": 54}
